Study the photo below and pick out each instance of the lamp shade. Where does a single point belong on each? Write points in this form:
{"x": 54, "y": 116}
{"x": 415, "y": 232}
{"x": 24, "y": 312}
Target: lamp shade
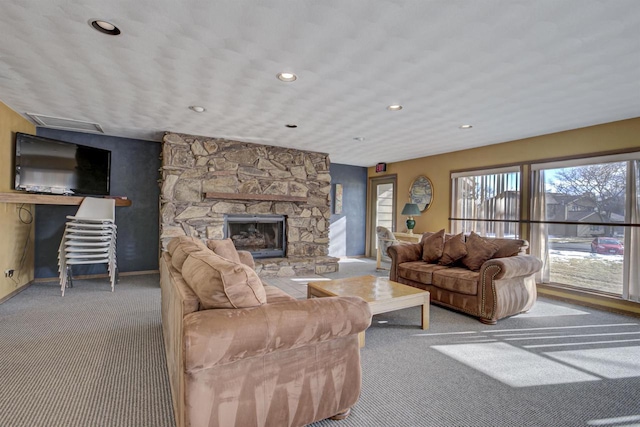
{"x": 411, "y": 209}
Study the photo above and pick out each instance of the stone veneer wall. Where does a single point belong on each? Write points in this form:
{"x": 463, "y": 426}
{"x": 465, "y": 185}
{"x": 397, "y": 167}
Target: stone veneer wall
{"x": 195, "y": 165}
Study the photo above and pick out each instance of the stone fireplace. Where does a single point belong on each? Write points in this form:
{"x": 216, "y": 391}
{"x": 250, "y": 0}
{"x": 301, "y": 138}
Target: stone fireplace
{"x": 262, "y": 235}
{"x": 205, "y": 181}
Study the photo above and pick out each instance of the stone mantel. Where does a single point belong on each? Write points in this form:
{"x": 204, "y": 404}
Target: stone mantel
{"x": 205, "y": 178}
{"x": 249, "y": 196}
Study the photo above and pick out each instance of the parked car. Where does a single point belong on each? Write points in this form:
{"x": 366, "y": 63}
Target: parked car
{"x": 607, "y": 245}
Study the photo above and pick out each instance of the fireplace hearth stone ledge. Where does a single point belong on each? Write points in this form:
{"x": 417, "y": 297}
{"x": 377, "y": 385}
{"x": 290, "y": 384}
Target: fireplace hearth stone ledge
{"x": 295, "y": 266}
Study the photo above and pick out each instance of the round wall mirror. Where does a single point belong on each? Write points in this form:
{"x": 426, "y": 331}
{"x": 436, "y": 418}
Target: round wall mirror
{"x": 421, "y": 192}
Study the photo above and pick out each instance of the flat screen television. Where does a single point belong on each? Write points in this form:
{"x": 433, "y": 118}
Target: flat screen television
{"x": 46, "y": 165}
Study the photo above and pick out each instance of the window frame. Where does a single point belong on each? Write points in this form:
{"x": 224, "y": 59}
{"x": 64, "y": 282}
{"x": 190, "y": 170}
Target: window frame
{"x": 457, "y": 221}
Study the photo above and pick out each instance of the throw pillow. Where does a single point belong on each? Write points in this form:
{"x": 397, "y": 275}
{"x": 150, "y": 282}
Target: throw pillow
{"x": 173, "y": 243}
{"x": 454, "y": 249}
{"x": 508, "y": 247}
{"x": 220, "y": 283}
{"x": 225, "y": 248}
{"x": 425, "y": 235}
{"x": 479, "y": 250}
{"x": 433, "y": 246}
{"x": 181, "y": 247}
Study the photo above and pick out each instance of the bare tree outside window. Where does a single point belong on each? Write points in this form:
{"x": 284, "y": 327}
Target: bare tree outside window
{"x": 602, "y": 186}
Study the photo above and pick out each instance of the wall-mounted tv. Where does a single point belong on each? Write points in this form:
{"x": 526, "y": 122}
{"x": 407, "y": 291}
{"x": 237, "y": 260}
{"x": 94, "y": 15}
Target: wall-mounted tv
{"x": 45, "y": 165}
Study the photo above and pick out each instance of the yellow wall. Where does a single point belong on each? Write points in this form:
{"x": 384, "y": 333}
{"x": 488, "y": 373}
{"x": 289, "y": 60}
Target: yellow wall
{"x": 620, "y": 135}
{"x": 14, "y": 235}
{"x": 595, "y": 139}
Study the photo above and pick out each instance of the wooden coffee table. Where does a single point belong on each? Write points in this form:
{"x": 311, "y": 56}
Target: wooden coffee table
{"x": 382, "y": 294}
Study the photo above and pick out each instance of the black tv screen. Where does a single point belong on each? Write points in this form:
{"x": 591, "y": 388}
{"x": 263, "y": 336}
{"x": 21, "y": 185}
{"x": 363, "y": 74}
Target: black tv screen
{"x": 45, "y": 165}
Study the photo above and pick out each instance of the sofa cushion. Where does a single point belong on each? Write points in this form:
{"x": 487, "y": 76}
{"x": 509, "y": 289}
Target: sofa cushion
{"x": 418, "y": 271}
{"x": 427, "y": 234}
{"x": 508, "y": 247}
{"x": 181, "y": 247}
{"x": 457, "y": 279}
{"x": 433, "y": 246}
{"x": 454, "y": 249}
{"x": 225, "y": 248}
{"x": 171, "y": 246}
{"x": 220, "y": 283}
{"x": 173, "y": 243}
{"x": 479, "y": 250}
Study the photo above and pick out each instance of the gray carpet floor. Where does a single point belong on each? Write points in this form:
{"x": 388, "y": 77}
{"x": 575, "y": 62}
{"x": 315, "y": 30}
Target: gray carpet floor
{"x": 92, "y": 358}
{"x": 96, "y": 358}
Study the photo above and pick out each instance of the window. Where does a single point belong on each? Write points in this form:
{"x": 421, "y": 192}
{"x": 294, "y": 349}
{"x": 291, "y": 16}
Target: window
{"x": 486, "y": 202}
{"x": 585, "y": 215}
{"x": 584, "y": 221}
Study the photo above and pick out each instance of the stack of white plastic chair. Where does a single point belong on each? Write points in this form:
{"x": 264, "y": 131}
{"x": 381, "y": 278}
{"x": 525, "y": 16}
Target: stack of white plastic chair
{"x": 89, "y": 238}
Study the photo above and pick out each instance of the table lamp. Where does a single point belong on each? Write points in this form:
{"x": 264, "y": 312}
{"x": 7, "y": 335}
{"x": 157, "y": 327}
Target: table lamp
{"x": 411, "y": 209}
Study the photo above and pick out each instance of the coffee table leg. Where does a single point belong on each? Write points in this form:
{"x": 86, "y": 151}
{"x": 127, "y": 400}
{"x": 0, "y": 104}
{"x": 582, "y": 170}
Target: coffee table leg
{"x": 361, "y": 339}
{"x": 425, "y": 315}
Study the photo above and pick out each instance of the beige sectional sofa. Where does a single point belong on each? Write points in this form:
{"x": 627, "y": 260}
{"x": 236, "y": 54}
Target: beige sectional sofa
{"x": 488, "y": 278}
{"x": 240, "y": 353}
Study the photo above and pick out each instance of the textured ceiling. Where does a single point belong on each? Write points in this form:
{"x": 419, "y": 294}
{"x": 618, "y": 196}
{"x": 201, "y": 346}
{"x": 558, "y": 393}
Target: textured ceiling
{"x": 511, "y": 68}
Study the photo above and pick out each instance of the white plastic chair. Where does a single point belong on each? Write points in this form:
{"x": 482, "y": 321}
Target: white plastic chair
{"x": 385, "y": 239}
{"x": 89, "y": 238}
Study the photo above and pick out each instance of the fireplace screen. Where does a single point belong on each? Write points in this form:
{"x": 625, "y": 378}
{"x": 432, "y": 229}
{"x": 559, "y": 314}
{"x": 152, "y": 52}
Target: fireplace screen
{"x": 262, "y": 235}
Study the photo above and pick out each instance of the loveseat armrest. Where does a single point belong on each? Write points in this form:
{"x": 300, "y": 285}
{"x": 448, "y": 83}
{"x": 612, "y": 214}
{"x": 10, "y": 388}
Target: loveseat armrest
{"x": 403, "y": 252}
{"x": 507, "y": 286}
{"x": 219, "y": 336}
{"x": 514, "y": 266}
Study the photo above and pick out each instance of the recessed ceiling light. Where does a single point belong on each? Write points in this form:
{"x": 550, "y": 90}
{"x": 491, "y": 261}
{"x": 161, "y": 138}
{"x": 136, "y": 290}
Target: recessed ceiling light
{"x": 466, "y": 126}
{"x": 291, "y": 125}
{"x": 197, "y": 108}
{"x": 359, "y": 138}
{"x": 105, "y": 27}
{"x": 287, "y": 77}
{"x": 394, "y": 107}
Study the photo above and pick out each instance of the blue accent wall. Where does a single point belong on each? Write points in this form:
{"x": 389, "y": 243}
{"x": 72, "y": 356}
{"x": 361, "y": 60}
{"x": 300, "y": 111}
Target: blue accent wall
{"x": 134, "y": 174}
{"x": 348, "y": 230}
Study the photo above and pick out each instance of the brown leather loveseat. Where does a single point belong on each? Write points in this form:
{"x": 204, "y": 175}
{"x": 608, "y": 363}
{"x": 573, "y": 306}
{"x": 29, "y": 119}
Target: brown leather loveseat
{"x": 488, "y": 278}
{"x": 240, "y": 353}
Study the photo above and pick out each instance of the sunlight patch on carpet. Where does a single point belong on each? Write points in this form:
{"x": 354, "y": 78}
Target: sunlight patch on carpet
{"x": 606, "y": 325}
{"x": 611, "y": 362}
{"x": 352, "y": 261}
{"x": 513, "y": 366}
{"x": 546, "y": 309}
{"x": 616, "y": 421}
{"x": 580, "y": 343}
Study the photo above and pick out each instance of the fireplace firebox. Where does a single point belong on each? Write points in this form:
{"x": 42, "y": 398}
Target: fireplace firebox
{"x": 262, "y": 235}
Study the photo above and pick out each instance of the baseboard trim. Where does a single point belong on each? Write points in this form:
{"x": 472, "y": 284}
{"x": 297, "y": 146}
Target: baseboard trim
{"x": 97, "y": 276}
{"x": 587, "y": 299}
{"x": 16, "y": 292}
{"x": 138, "y": 273}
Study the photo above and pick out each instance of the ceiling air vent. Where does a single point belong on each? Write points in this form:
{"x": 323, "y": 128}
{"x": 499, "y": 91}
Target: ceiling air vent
{"x": 60, "y": 123}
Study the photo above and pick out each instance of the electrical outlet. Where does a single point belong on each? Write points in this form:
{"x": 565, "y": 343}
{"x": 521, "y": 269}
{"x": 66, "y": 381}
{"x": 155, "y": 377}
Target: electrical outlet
{"x": 8, "y": 273}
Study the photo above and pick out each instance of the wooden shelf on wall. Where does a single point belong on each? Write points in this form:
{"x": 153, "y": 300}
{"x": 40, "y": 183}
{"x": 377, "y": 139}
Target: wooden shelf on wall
{"x": 49, "y": 199}
{"x": 249, "y": 196}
